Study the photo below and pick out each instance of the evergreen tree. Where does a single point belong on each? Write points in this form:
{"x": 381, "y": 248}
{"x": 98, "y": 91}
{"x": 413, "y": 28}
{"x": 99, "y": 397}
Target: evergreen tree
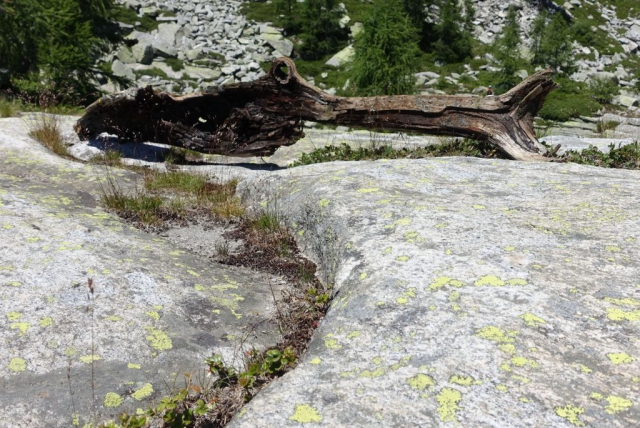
{"x": 289, "y": 11}
{"x": 454, "y": 43}
{"x": 386, "y": 52}
{"x": 322, "y": 34}
{"x": 53, "y": 44}
{"x": 552, "y": 44}
{"x": 507, "y": 50}
{"x": 418, "y": 11}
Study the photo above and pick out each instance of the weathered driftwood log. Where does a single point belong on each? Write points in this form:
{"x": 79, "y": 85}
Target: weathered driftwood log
{"x": 255, "y": 118}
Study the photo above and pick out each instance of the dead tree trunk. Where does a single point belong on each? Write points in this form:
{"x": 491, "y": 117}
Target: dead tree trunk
{"x": 255, "y": 118}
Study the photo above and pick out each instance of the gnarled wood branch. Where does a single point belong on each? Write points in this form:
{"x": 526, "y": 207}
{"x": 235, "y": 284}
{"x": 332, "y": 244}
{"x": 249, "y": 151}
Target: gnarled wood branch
{"x": 255, "y": 118}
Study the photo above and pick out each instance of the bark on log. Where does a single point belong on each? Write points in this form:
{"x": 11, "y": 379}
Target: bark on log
{"x": 255, "y": 118}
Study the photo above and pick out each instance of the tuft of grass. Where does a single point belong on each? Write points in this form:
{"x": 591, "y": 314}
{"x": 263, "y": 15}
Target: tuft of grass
{"x": 128, "y": 16}
{"x": 451, "y": 147}
{"x": 139, "y": 208}
{"x": 181, "y": 156}
{"x": 606, "y": 125}
{"x": 8, "y": 108}
{"x": 266, "y": 222}
{"x": 108, "y": 157}
{"x": 153, "y": 72}
{"x": 47, "y": 129}
{"x": 175, "y": 64}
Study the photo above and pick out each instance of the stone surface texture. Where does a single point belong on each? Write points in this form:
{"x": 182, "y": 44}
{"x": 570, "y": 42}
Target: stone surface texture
{"x": 156, "y": 313}
{"x": 468, "y": 292}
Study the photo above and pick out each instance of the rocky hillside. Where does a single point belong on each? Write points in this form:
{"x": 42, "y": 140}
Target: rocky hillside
{"x": 192, "y": 45}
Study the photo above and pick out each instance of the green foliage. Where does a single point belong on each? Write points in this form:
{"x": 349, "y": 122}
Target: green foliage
{"x": 128, "y": 16}
{"x": 385, "y": 52}
{"x": 507, "y": 52}
{"x": 606, "y": 125}
{"x": 153, "y": 72}
{"x": 603, "y": 90}
{"x": 175, "y": 64}
{"x": 267, "y": 221}
{"x": 454, "y": 42}
{"x": 552, "y": 40}
{"x": 321, "y": 30}
{"x": 623, "y": 156}
{"x": 47, "y": 129}
{"x": 55, "y": 42}
{"x": 571, "y": 99}
{"x": 289, "y": 15}
{"x": 344, "y": 152}
{"x": 8, "y": 108}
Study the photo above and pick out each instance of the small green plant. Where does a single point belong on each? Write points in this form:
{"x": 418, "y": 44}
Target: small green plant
{"x": 8, "y": 108}
{"x": 603, "y": 90}
{"x": 47, "y": 129}
{"x": 606, "y": 125}
{"x": 175, "y": 64}
{"x": 222, "y": 248}
{"x": 621, "y": 156}
{"x": 109, "y": 157}
{"x": 153, "y": 72}
{"x": 267, "y": 221}
{"x": 450, "y": 147}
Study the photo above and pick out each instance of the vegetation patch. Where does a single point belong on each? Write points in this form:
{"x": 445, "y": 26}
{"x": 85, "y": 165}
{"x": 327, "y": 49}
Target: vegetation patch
{"x": 129, "y": 16}
{"x": 620, "y": 156}
{"x": 47, "y": 129}
{"x": 451, "y": 147}
{"x": 175, "y": 64}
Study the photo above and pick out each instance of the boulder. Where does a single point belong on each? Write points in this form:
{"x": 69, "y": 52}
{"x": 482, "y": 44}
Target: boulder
{"x": 156, "y": 310}
{"x": 121, "y": 70}
{"x": 278, "y": 42}
{"x": 342, "y": 57}
{"x": 466, "y": 293}
{"x": 628, "y": 101}
{"x": 143, "y": 53}
{"x": 125, "y": 55}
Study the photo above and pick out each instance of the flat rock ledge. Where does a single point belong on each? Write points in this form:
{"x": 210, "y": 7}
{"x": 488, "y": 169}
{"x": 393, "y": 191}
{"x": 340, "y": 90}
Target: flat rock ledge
{"x": 470, "y": 292}
{"x": 158, "y": 310}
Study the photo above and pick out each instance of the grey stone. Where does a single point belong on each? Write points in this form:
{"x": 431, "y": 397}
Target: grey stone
{"x": 125, "y": 55}
{"x": 143, "y": 53}
{"x": 342, "y": 57}
{"x": 628, "y": 101}
{"x": 279, "y": 43}
{"x": 468, "y": 291}
{"x": 121, "y": 70}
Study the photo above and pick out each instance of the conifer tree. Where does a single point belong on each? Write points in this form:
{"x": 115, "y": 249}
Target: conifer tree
{"x": 507, "y": 50}
{"x": 321, "y": 30}
{"x": 386, "y": 52}
{"x": 454, "y": 43}
{"x": 552, "y": 43}
{"x": 289, "y": 11}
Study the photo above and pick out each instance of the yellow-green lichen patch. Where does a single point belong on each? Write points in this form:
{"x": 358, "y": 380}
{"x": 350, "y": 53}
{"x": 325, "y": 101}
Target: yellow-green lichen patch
{"x": 46, "y": 322}
{"x": 368, "y": 190}
{"x": 509, "y": 249}
{"x": 520, "y": 361}
{"x": 448, "y": 400}
{"x": 617, "y": 404}
{"x": 462, "y": 380}
{"x": 613, "y": 249}
{"x": 571, "y": 414}
{"x": 582, "y": 368}
{"x": 401, "y": 363}
{"x": 380, "y": 371}
{"x": 363, "y": 276}
{"x": 532, "y": 320}
{"x": 22, "y": 327}
{"x": 199, "y": 287}
{"x": 620, "y": 358}
{"x": 315, "y": 361}
{"x": 90, "y": 358}
{"x": 112, "y": 400}
{"x": 522, "y": 379}
{"x": 13, "y": 284}
{"x": 158, "y": 339}
{"x": 153, "y": 314}
{"x": 377, "y": 361}
{"x": 443, "y": 281}
{"x": 17, "y": 365}
{"x": 615, "y": 314}
{"x": 133, "y": 366}
{"x": 402, "y": 258}
{"x": 596, "y": 396}
{"x": 495, "y": 334}
{"x": 517, "y": 282}
{"x": 454, "y": 296}
{"x": 502, "y": 388}
{"x": 353, "y": 335}
{"x": 332, "y": 344}
{"x": 14, "y": 316}
{"x": 113, "y": 318}
{"x": 489, "y": 280}
{"x": 305, "y": 414}
{"x": 144, "y": 392}
{"x": 627, "y": 301}
{"x": 323, "y": 203}
{"x": 421, "y": 382}
{"x": 479, "y": 207}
